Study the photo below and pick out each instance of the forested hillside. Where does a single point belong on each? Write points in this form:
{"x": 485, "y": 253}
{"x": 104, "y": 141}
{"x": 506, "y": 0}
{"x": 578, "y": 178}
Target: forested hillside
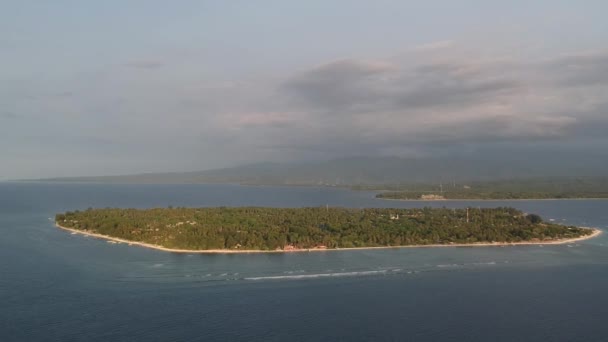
{"x": 381, "y": 172}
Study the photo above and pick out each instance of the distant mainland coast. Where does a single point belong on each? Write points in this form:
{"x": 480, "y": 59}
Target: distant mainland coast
{"x": 492, "y": 196}
{"x": 489, "y": 199}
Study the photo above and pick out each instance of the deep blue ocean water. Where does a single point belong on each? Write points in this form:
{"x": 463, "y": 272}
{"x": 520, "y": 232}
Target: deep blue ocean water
{"x": 55, "y": 286}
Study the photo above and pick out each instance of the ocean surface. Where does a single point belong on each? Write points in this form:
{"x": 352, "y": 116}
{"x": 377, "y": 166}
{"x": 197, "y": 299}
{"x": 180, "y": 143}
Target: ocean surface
{"x": 55, "y": 286}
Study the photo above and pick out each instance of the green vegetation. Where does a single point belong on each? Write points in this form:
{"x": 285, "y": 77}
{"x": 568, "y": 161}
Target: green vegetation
{"x": 276, "y": 228}
{"x": 499, "y": 190}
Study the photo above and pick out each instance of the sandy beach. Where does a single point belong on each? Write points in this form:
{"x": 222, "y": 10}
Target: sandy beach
{"x": 595, "y": 233}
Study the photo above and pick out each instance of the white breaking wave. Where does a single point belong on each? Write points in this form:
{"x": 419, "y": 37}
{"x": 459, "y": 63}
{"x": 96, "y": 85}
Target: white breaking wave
{"x": 296, "y": 271}
{"x": 319, "y": 275}
{"x": 469, "y": 264}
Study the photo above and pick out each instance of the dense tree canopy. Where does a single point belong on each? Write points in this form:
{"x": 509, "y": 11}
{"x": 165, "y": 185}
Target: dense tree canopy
{"x": 278, "y": 228}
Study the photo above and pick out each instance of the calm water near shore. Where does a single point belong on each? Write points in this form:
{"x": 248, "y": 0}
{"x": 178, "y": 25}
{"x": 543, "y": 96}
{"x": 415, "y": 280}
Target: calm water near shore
{"x": 55, "y": 286}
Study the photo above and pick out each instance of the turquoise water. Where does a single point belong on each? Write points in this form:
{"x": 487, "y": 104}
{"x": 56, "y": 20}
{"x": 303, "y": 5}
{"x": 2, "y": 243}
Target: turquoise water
{"x": 55, "y": 286}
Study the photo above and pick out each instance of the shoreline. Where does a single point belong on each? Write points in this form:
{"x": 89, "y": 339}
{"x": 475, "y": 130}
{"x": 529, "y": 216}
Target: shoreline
{"x": 596, "y": 232}
{"x": 492, "y": 200}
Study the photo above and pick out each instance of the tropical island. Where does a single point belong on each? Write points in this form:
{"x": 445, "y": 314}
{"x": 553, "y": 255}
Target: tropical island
{"x": 251, "y": 229}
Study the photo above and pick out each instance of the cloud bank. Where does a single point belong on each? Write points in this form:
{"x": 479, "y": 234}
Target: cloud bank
{"x": 427, "y": 103}
{"x": 384, "y": 105}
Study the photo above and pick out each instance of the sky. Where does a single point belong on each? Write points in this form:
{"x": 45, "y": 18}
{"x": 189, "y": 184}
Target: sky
{"x": 128, "y": 86}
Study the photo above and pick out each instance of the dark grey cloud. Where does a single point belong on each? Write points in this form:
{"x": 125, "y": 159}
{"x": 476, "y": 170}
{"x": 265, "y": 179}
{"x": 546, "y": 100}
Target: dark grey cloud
{"x": 145, "y": 64}
{"x": 451, "y": 90}
{"x": 594, "y": 125}
{"x": 579, "y": 70}
{"x": 8, "y": 115}
{"x": 353, "y": 139}
{"x": 339, "y": 85}
{"x": 348, "y": 86}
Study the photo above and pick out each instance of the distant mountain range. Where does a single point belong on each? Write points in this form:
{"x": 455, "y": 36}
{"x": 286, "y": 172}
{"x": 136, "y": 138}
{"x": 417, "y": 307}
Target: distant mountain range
{"x": 371, "y": 171}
